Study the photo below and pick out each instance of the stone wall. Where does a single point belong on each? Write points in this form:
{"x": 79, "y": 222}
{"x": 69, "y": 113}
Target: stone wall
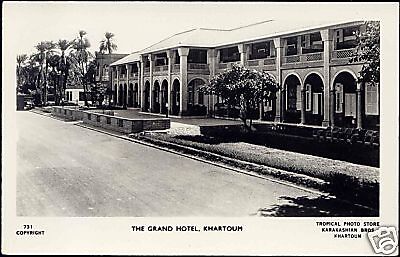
{"x": 125, "y": 125}
{"x": 66, "y": 113}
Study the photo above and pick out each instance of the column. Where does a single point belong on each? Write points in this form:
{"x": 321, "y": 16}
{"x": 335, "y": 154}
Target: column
{"x": 183, "y": 54}
{"x": 278, "y": 42}
{"x": 327, "y": 36}
{"x": 139, "y": 80}
{"x": 359, "y": 106}
{"x": 332, "y": 106}
{"x": 299, "y": 45}
{"x": 127, "y": 86}
{"x": 211, "y": 61}
{"x": 170, "y": 55}
{"x": 151, "y": 59}
{"x": 283, "y": 103}
{"x": 303, "y": 104}
{"x": 117, "y": 89}
{"x": 243, "y": 54}
{"x": 111, "y": 74}
{"x": 141, "y": 84}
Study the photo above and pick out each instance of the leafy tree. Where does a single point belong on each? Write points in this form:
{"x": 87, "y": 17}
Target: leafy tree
{"x": 28, "y": 74}
{"x": 98, "y": 90}
{"x": 368, "y": 51}
{"x": 242, "y": 86}
{"x": 108, "y": 44}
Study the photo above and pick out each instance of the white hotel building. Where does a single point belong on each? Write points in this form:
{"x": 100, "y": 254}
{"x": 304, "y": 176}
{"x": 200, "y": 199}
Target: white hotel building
{"x": 310, "y": 61}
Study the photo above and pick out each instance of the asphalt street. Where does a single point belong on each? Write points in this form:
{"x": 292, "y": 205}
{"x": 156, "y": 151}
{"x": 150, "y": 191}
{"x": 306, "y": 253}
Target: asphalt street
{"x": 67, "y": 170}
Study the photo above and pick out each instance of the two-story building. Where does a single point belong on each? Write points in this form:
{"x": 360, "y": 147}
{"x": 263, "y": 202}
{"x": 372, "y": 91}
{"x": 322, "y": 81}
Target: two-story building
{"x": 103, "y": 72}
{"x": 310, "y": 61}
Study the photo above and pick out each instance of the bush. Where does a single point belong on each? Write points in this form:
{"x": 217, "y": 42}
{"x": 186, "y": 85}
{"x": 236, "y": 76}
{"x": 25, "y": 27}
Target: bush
{"x": 197, "y": 110}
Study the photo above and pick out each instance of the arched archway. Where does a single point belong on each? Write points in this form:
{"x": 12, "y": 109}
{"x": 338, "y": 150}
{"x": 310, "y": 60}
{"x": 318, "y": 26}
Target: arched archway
{"x": 120, "y": 95}
{"x": 345, "y": 106}
{"x": 146, "y": 96}
{"x": 164, "y": 96}
{"x": 175, "y": 97}
{"x": 156, "y": 97}
{"x": 130, "y": 95}
{"x": 125, "y": 95}
{"x": 135, "y": 95}
{"x": 196, "y": 101}
{"x": 314, "y": 99}
{"x": 269, "y": 105}
{"x": 115, "y": 95}
{"x": 293, "y": 99}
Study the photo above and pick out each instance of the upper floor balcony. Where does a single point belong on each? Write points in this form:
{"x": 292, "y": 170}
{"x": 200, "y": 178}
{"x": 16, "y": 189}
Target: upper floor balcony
{"x": 266, "y": 63}
{"x": 122, "y": 76}
{"x": 201, "y": 68}
{"x": 134, "y": 75}
{"x": 105, "y": 78}
{"x": 303, "y": 58}
{"x": 176, "y": 67}
{"x": 342, "y": 55}
{"x": 160, "y": 69}
{"x": 227, "y": 65}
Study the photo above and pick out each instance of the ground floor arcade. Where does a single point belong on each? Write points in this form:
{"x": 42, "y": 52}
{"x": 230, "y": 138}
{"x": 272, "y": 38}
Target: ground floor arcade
{"x": 304, "y": 98}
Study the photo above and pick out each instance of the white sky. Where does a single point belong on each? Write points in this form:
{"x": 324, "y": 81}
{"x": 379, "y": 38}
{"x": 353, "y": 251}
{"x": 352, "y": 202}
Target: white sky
{"x": 137, "y": 25}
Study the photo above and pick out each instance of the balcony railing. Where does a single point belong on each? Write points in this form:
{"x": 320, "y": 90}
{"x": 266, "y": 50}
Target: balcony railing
{"x": 160, "y": 68}
{"x": 341, "y": 54}
{"x": 146, "y": 69}
{"x": 227, "y": 65}
{"x": 303, "y": 58}
{"x": 133, "y": 75}
{"x": 105, "y": 78}
{"x": 198, "y": 66}
{"x": 261, "y": 62}
{"x": 122, "y": 76}
{"x": 176, "y": 67}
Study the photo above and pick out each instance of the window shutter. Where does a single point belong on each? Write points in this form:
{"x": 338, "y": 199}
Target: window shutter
{"x": 350, "y": 105}
{"x": 371, "y": 99}
{"x": 308, "y": 97}
{"x": 315, "y": 105}
{"x": 339, "y": 97}
{"x": 339, "y": 35}
{"x": 298, "y": 97}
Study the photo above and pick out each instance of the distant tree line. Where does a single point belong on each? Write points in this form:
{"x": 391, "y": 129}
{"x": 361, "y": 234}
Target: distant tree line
{"x": 56, "y": 65}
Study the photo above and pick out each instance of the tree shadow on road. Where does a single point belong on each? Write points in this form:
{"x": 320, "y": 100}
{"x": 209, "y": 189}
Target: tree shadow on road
{"x": 316, "y": 207}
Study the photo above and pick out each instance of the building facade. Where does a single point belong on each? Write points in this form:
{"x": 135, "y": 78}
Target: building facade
{"x": 103, "y": 72}
{"x": 74, "y": 95}
{"x": 318, "y": 83}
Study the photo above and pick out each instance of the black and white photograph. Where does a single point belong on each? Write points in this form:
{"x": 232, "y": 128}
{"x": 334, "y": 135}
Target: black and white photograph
{"x": 207, "y": 128}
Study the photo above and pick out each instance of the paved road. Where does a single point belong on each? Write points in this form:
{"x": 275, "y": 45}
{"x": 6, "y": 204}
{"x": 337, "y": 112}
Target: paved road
{"x": 67, "y": 170}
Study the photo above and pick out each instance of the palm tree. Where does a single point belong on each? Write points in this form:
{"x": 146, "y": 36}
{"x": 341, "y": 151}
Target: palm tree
{"x": 21, "y": 59}
{"x": 45, "y": 49}
{"x": 107, "y": 44}
{"x": 64, "y": 65}
{"x": 80, "y": 57}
